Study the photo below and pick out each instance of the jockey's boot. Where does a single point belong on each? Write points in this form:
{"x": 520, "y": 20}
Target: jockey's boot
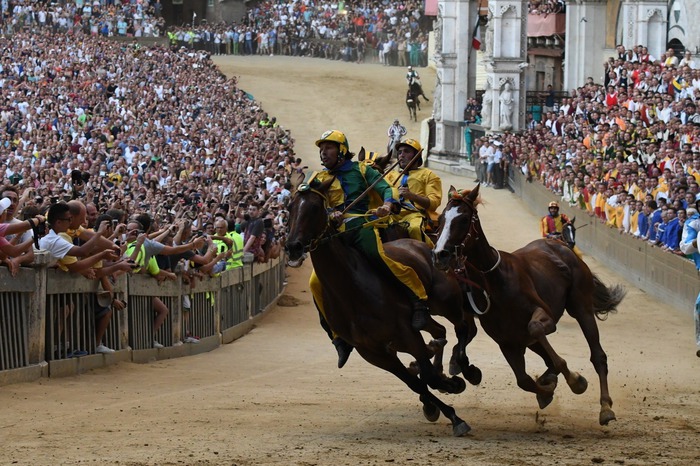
{"x": 421, "y": 315}
{"x": 344, "y": 349}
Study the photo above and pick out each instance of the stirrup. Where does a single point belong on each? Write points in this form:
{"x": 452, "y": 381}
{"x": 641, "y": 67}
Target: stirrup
{"x": 421, "y": 315}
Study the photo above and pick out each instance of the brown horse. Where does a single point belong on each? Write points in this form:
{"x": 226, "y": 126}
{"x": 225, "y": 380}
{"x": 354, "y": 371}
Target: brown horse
{"x": 373, "y": 312}
{"x": 529, "y": 291}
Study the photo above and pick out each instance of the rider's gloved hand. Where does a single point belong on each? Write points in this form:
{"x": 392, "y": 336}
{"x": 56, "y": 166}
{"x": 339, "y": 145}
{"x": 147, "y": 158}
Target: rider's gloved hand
{"x": 383, "y": 210}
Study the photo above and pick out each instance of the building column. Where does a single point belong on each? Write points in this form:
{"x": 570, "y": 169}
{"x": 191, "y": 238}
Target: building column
{"x": 504, "y": 96}
{"x": 584, "y": 50}
{"x": 455, "y": 62}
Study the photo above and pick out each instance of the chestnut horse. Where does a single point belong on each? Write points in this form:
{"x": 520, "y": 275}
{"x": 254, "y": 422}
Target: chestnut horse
{"x": 529, "y": 291}
{"x": 373, "y": 312}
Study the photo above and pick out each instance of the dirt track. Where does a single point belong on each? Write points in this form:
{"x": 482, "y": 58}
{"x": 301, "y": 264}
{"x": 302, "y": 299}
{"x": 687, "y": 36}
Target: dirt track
{"x": 276, "y": 397}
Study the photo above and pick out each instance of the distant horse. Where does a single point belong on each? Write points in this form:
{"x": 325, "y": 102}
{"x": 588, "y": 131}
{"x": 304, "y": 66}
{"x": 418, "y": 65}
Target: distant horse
{"x": 412, "y": 102}
{"x": 568, "y": 236}
{"x": 373, "y": 312}
{"x": 529, "y": 291}
{"x": 417, "y": 89}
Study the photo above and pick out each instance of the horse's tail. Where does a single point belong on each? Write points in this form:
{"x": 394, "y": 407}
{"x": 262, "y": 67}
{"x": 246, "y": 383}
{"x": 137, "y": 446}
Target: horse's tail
{"x": 606, "y": 299}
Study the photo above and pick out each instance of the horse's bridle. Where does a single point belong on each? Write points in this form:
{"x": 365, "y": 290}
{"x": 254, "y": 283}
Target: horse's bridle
{"x": 458, "y": 251}
{"x": 314, "y": 243}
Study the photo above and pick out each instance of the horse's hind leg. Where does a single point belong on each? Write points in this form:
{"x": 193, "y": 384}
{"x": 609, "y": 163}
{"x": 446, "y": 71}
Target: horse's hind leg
{"x": 515, "y": 355}
{"x": 541, "y": 324}
{"x": 600, "y": 362}
{"x": 389, "y": 362}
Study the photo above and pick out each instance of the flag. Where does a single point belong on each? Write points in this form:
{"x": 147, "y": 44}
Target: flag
{"x": 476, "y": 37}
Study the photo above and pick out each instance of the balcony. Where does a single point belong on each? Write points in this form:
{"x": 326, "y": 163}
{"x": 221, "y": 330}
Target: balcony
{"x": 546, "y": 25}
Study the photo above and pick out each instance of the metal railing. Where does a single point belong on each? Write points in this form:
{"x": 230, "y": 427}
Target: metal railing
{"x": 48, "y": 317}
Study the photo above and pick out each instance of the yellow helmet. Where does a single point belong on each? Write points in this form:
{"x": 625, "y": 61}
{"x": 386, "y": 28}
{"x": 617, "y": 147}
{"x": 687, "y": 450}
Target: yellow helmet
{"x": 553, "y": 204}
{"x": 410, "y": 142}
{"x": 336, "y": 136}
{"x": 416, "y": 145}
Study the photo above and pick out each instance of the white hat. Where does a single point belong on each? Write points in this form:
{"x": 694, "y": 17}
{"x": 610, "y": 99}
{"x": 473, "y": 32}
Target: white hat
{"x": 4, "y": 204}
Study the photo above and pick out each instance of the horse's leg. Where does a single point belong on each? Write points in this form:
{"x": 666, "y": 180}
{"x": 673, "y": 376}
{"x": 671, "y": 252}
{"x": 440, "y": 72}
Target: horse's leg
{"x": 541, "y": 324}
{"x": 465, "y": 331}
{"x": 437, "y": 345}
{"x": 550, "y": 375}
{"x": 515, "y": 355}
{"x": 549, "y": 378}
{"x": 586, "y": 321}
{"x": 389, "y": 362}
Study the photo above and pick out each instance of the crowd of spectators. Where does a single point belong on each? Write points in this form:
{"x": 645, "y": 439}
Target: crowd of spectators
{"x": 396, "y": 33}
{"x": 625, "y": 149}
{"x": 99, "y": 17}
{"x": 151, "y": 151}
{"x": 546, "y": 7}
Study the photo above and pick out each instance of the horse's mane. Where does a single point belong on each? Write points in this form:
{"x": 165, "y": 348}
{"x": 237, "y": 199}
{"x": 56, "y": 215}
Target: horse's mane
{"x": 461, "y": 195}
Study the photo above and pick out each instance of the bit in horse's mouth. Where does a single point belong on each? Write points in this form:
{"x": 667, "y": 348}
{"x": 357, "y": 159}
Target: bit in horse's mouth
{"x": 294, "y": 263}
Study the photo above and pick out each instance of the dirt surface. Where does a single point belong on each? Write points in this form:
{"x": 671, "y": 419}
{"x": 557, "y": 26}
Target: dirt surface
{"x": 275, "y": 397}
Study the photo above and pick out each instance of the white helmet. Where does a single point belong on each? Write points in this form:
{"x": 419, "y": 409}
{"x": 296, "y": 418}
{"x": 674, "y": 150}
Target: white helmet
{"x": 410, "y": 67}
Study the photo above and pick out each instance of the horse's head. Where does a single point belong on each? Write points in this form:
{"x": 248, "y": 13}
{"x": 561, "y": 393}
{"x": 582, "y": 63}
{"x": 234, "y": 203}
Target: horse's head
{"x": 308, "y": 220}
{"x": 568, "y": 233}
{"x": 457, "y": 229}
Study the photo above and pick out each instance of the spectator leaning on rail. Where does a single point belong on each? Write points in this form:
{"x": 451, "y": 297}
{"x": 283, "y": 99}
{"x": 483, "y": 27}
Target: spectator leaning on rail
{"x": 689, "y": 246}
{"x": 14, "y": 255}
{"x": 135, "y": 251}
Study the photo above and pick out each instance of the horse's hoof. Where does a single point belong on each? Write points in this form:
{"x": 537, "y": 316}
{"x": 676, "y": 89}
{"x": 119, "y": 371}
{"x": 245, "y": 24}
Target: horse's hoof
{"x": 413, "y": 368}
{"x": 438, "y": 342}
{"x": 431, "y": 412}
{"x": 460, "y": 429}
{"x": 458, "y": 385}
{"x": 544, "y": 401}
{"x": 606, "y": 414}
{"x": 473, "y": 375}
{"x": 579, "y": 385}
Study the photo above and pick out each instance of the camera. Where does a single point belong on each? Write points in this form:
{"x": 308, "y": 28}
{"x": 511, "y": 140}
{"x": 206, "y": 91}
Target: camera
{"x": 114, "y": 223}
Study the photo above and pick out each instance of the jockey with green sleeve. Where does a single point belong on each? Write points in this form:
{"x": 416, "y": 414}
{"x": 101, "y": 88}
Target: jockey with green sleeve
{"x": 351, "y": 179}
